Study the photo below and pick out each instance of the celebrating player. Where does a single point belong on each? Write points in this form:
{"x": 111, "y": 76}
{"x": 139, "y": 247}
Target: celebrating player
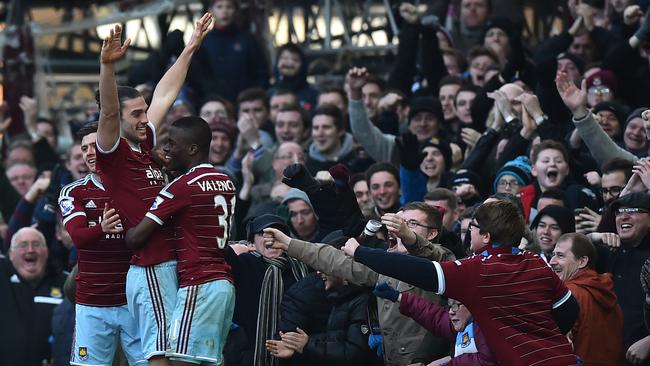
{"x": 125, "y": 138}
{"x": 200, "y": 204}
{"x": 101, "y": 314}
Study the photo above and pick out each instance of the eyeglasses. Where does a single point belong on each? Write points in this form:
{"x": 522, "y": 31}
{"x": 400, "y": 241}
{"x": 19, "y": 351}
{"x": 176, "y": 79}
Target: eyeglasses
{"x": 473, "y": 224}
{"x": 615, "y": 190}
{"x": 630, "y": 210}
{"x": 412, "y": 224}
{"x": 22, "y": 245}
{"x": 455, "y": 306}
{"x": 508, "y": 183}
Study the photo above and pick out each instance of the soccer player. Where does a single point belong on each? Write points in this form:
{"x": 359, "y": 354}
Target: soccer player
{"x": 101, "y": 314}
{"x": 125, "y": 137}
{"x": 523, "y": 308}
{"x": 200, "y": 204}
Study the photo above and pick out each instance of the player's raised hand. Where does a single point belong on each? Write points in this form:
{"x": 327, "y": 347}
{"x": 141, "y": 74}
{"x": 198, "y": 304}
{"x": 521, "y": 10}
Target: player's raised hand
{"x": 111, "y": 222}
{"x": 113, "y": 49}
{"x": 202, "y": 28}
{"x": 276, "y": 239}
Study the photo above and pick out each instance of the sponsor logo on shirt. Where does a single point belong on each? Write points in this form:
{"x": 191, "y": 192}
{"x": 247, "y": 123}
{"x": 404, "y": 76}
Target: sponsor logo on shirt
{"x": 91, "y": 204}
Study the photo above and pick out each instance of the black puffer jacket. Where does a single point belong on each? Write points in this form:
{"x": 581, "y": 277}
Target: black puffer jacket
{"x": 345, "y": 339}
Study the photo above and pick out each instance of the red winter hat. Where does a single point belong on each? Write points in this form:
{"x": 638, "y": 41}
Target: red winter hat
{"x": 603, "y": 78}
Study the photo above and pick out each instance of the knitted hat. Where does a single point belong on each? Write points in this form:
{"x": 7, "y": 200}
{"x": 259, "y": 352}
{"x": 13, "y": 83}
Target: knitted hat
{"x": 562, "y": 215}
{"x": 576, "y": 60}
{"x": 442, "y": 146}
{"x": 296, "y": 194}
{"x": 617, "y": 109}
{"x": 511, "y": 28}
{"x": 603, "y": 78}
{"x": 635, "y": 114}
{"x": 518, "y": 168}
{"x": 426, "y": 104}
{"x": 224, "y": 127}
{"x": 465, "y": 176}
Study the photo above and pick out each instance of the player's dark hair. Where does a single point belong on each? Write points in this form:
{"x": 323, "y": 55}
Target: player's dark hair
{"x": 87, "y": 129}
{"x": 198, "y": 132}
{"x": 123, "y": 93}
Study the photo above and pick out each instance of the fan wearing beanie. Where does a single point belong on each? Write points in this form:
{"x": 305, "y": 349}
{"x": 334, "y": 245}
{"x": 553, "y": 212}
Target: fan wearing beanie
{"x": 423, "y": 168}
{"x": 635, "y": 139}
{"x": 467, "y": 186}
{"x": 549, "y": 224}
{"x": 512, "y": 176}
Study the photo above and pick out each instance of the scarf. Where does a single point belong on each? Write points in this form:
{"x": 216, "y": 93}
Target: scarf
{"x": 269, "y": 303}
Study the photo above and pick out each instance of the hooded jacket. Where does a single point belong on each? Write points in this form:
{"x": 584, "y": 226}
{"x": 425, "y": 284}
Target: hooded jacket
{"x": 306, "y": 93}
{"x": 316, "y": 161}
{"x": 598, "y": 333}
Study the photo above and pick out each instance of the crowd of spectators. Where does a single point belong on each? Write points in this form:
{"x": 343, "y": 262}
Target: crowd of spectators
{"x": 469, "y": 113}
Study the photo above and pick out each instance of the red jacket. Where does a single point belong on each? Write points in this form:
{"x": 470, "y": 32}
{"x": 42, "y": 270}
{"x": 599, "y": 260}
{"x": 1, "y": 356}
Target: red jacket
{"x": 435, "y": 319}
{"x": 598, "y": 333}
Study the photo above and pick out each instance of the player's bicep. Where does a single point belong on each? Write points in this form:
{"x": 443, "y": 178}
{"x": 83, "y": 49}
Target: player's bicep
{"x": 108, "y": 133}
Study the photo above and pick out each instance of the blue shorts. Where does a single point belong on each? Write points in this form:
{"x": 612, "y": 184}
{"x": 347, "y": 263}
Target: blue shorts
{"x": 151, "y": 297}
{"x": 96, "y": 333}
{"x": 201, "y": 322}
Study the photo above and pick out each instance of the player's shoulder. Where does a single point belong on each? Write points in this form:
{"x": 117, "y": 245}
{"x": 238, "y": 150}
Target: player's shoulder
{"x": 78, "y": 184}
{"x": 205, "y": 172}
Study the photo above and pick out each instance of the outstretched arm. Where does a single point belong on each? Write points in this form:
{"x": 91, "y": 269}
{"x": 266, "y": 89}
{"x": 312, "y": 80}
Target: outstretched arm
{"x": 108, "y": 131}
{"x": 170, "y": 85}
{"x": 418, "y": 272}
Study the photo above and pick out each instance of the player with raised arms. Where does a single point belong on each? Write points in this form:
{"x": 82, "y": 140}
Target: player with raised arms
{"x": 125, "y": 137}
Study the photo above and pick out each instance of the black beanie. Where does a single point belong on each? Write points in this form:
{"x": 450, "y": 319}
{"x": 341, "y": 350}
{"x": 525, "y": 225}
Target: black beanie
{"x": 442, "y": 146}
{"x": 562, "y": 215}
{"x": 426, "y": 104}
